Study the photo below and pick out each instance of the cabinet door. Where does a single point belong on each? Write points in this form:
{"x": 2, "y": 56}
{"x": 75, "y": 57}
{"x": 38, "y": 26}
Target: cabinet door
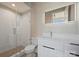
{"x": 45, "y": 52}
{"x": 48, "y": 52}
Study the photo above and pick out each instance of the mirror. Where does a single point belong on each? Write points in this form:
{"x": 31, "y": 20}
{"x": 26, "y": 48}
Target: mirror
{"x": 60, "y": 15}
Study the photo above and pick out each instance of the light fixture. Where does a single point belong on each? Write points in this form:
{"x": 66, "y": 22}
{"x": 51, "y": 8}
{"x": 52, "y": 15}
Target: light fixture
{"x": 13, "y": 5}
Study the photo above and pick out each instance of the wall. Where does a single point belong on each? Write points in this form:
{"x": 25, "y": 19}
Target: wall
{"x": 34, "y": 20}
{"x": 39, "y": 18}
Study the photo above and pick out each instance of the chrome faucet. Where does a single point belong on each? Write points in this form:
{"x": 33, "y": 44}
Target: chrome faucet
{"x": 51, "y": 35}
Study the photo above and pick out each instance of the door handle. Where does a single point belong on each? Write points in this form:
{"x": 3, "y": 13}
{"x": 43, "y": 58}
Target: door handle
{"x": 49, "y": 47}
{"x": 74, "y": 54}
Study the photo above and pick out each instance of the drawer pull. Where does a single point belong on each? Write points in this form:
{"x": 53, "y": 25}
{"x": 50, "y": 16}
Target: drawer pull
{"x": 74, "y": 44}
{"x": 49, "y": 47}
{"x": 74, "y": 54}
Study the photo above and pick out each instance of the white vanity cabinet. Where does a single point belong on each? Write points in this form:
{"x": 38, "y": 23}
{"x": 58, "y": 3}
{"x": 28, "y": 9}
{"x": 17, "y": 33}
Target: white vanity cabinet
{"x": 59, "y": 46}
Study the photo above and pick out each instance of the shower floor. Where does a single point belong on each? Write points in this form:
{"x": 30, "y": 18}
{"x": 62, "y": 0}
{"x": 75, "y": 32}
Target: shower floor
{"x": 11, "y": 52}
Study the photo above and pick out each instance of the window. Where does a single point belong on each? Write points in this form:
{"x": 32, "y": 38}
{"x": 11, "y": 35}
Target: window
{"x": 59, "y": 15}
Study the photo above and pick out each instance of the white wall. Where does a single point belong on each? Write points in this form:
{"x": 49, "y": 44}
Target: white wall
{"x": 39, "y": 18}
{"x": 34, "y": 20}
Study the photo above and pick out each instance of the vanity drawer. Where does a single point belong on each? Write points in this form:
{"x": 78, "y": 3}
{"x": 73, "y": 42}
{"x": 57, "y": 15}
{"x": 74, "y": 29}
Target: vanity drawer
{"x": 58, "y": 45}
{"x": 68, "y": 41}
{"x": 46, "y": 51}
{"x": 69, "y": 54}
{"x": 72, "y": 49}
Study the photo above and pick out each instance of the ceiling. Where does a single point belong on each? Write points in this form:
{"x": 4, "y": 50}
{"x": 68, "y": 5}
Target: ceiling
{"x": 20, "y": 7}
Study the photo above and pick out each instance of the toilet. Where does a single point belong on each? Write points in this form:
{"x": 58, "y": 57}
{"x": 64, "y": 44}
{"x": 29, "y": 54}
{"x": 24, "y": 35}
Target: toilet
{"x": 30, "y": 50}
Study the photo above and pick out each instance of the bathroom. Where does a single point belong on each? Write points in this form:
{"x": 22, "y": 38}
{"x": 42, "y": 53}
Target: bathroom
{"x": 28, "y": 29}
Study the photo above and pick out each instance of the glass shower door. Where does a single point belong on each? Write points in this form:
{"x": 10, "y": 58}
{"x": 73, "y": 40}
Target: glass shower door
{"x": 7, "y": 24}
{"x": 15, "y": 28}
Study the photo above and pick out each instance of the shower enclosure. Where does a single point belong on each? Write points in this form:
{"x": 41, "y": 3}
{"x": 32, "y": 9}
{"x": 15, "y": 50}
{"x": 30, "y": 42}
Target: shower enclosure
{"x": 15, "y": 25}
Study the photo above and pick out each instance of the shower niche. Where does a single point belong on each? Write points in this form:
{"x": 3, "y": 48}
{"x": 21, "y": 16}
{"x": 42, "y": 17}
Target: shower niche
{"x": 61, "y": 15}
